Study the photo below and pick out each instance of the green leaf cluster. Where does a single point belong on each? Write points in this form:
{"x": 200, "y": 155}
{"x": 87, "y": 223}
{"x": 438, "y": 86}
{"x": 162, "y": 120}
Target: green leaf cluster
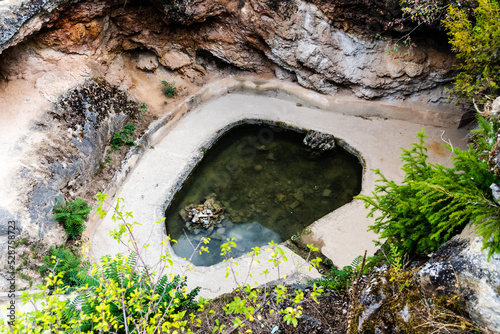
{"x": 72, "y": 215}
{"x": 170, "y": 90}
{"x": 62, "y": 260}
{"x": 122, "y": 294}
{"x": 126, "y": 295}
{"x": 434, "y": 203}
{"x": 340, "y": 279}
{"x": 476, "y": 40}
{"x": 123, "y": 137}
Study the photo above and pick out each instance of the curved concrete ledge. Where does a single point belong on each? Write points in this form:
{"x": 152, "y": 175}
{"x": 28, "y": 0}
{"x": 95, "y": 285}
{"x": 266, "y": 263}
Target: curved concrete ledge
{"x": 178, "y": 140}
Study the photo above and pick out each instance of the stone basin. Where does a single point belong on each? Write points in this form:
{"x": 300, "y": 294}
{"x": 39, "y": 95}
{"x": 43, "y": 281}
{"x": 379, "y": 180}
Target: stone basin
{"x": 341, "y": 235}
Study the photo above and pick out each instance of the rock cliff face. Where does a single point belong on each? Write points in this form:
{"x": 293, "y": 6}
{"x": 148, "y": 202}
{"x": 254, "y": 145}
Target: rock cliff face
{"x": 328, "y": 46}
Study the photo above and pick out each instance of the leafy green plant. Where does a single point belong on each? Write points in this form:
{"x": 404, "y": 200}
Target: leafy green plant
{"x": 434, "y": 202}
{"x": 475, "y": 38}
{"x": 72, "y": 215}
{"x": 474, "y": 34}
{"x": 62, "y": 260}
{"x": 142, "y": 108}
{"x": 340, "y": 279}
{"x": 123, "y": 137}
{"x": 397, "y": 274}
{"x": 122, "y": 294}
{"x": 170, "y": 90}
{"x": 129, "y": 296}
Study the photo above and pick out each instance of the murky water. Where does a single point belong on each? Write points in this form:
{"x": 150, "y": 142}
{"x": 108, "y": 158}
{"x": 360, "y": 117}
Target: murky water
{"x": 268, "y": 186}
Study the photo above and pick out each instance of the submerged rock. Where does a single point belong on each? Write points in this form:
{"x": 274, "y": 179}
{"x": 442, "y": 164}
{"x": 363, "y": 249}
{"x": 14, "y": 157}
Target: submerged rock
{"x": 319, "y": 140}
{"x": 206, "y": 215}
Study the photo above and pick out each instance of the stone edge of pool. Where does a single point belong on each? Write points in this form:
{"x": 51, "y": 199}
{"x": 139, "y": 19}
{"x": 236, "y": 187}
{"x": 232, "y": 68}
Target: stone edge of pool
{"x": 303, "y": 97}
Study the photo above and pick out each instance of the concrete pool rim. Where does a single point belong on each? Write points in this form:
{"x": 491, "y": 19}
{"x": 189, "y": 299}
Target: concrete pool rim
{"x": 209, "y": 142}
{"x": 295, "y": 97}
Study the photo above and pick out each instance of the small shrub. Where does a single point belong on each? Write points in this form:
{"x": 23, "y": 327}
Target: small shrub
{"x": 170, "y": 90}
{"x": 72, "y": 215}
{"x": 123, "y": 137}
{"x": 142, "y": 109}
{"x": 132, "y": 299}
{"x": 476, "y": 40}
{"x": 434, "y": 202}
{"x": 122, "y": 294}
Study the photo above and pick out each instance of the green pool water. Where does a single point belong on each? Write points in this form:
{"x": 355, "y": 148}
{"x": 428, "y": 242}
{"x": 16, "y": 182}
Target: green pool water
{"x": 267, "y": 186}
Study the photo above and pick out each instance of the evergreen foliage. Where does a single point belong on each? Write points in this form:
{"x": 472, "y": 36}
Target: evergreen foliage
{"x": 476, "y": 40}
{"x": 434, "y": 202}
{"x": 72, "y": 214}
{"x": 62, "y": 260}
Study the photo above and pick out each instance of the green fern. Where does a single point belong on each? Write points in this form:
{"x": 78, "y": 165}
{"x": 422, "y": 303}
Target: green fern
{"x": 63, "y": 260}
{"x": 340, "y": 279}
{"x": 434, "y": 202}
{"x": 72, "y": 215}
{"x": 122, "y": 271}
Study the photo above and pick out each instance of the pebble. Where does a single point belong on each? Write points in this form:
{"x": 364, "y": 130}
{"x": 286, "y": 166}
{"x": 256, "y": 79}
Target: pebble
{"x": 281, "y": 197}
{"x": 257, "y": 168}
{"x": 299, "y": 196}
{"x": 327, "y": 193}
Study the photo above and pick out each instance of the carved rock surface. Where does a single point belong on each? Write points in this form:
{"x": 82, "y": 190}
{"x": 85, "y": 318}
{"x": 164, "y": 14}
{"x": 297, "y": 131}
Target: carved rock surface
{"x": 147, "y": 62}
{"x": 19, "y": 19}
{"x": 461, "y": 264}
{"x": 328, "y": 46}
{"x": 92, "y": 112}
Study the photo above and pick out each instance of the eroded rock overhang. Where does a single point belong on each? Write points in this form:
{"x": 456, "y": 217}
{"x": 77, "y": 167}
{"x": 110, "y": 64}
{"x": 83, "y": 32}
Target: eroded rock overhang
{"x": 327, "y": 46}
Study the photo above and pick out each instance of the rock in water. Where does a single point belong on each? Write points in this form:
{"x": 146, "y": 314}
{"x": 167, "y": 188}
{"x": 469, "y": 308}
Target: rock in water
{"x": 319, "y": 140}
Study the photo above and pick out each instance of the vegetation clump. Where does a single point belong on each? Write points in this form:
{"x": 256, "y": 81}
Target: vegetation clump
{"x": 62, "y": 260}
{"x": 123, "y": 137}
{"x": 473, "y": 27}
{"x": 475, "y": 38}
{"x": 72, "y": 215}
{"x": 121, "y": 294}
{"x": 340, "y": 280}
{"x": 434, "y": 203}
{"x": 170, "y": 90}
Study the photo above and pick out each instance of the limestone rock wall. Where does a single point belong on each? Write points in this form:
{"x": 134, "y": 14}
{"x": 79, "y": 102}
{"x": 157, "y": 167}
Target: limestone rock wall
{"x": 20, "y": 19}
{"x": 461, "y": 266}
{"x": 328, "y": 46}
